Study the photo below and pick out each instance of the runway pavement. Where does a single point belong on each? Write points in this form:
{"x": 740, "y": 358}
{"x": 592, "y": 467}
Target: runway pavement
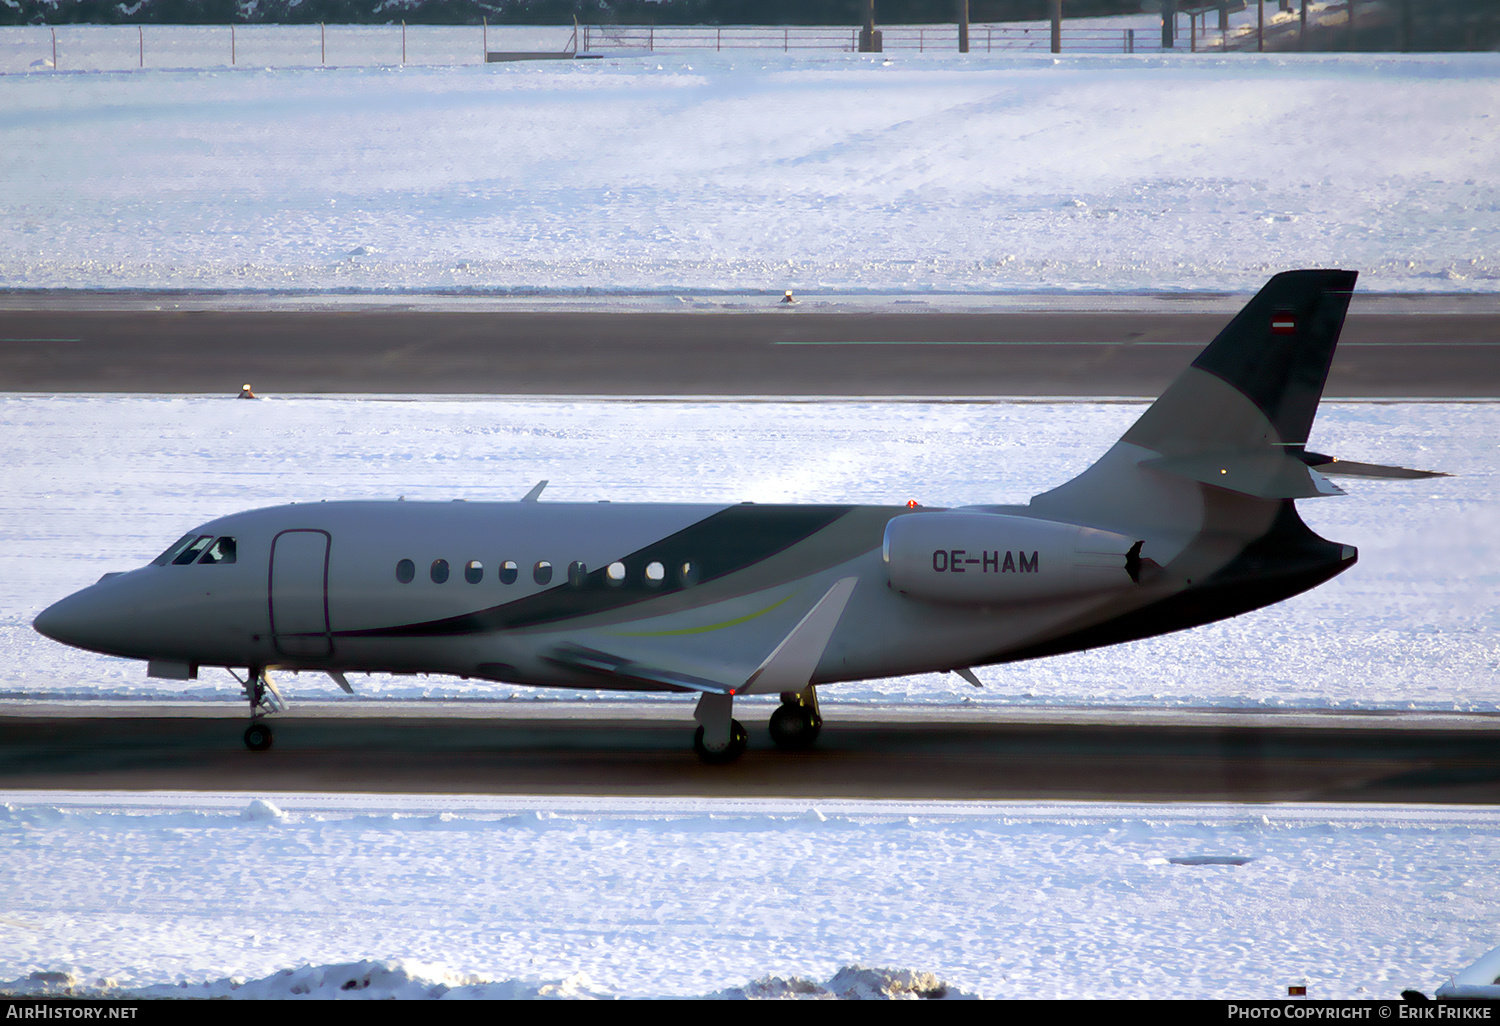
{"x": 864, "y": 752}
{"x": 1415, "y": 348}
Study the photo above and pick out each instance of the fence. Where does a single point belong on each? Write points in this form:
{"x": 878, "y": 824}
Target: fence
{"x": 132, "y": 47}
{"x": 920, "y": 38}
{"x": 126, "y": 47}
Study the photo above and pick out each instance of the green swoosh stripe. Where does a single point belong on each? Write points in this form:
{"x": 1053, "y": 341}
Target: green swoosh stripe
{"x": 710, "y": 627}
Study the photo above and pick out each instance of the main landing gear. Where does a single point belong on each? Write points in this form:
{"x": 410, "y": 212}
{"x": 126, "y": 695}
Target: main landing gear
{"x": 721, "y": 738}
{"x": 795, "y": 724}
{"x": 264, "y": 699}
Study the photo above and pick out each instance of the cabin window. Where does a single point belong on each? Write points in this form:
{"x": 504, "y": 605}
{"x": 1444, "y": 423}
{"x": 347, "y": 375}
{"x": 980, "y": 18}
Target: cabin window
{"x": 688, "y": 574}
{"x": 615, "y": 573}
{"x": 439, "y": 571}
{"x": 221, "y": 551}
{"x": 193, "y": 550}
{"x": 542, "y": 572}
{"x": 509, "y": 572}
{"x": 578, "y": 574}
{"x": 406, "y": 571}
{"x": 655, "y": 573}
{"x": 473, "y": 571}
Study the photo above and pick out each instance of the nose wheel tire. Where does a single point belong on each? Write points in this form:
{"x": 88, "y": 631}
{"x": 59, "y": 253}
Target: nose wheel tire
{"x": 795, "y": 727}
{"x": 731, "y": 751}
{"x": 258, "y": 737}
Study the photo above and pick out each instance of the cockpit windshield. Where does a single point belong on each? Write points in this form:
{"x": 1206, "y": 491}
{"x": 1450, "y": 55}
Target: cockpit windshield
{"x": 190, "y": 547}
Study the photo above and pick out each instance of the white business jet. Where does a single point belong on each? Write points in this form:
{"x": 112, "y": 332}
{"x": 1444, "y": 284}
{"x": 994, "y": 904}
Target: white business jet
{"x": 1189, "y": 518}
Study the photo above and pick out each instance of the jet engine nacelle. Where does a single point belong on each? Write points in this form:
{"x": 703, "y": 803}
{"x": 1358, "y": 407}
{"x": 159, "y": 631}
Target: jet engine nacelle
{"x": 993, "y": 558}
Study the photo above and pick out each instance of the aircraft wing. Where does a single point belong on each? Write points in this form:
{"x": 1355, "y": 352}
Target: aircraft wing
{"x": 606, "y": 664}
{"x": 789, "y": 667}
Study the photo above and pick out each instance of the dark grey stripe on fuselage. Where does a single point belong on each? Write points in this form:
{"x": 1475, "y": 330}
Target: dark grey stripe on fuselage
{"x": 720, "y": 545}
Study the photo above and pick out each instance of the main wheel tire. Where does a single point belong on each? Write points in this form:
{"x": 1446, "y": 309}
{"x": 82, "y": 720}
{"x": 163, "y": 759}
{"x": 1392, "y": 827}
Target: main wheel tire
{"x": 795, "y": 728}
{"x": 258, "y": 737}
{"x": 738, "y": 741}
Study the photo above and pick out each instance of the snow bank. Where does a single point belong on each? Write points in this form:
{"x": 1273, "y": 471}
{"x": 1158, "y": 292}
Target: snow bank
{"x": 377, "y": 981}
{"x": 1478, "y": 982}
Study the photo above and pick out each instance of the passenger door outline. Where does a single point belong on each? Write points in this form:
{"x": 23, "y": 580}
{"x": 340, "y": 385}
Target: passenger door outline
{"x": 297, "y": 593}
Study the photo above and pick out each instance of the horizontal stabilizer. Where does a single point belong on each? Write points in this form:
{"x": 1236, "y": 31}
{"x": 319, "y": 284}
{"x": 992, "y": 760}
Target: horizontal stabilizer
{"x": 1350, "y": 468}
{"x": 1269, "y": 474}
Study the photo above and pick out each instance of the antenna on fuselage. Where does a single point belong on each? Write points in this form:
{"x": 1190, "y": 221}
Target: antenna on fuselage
{"x": 535, "y": 493}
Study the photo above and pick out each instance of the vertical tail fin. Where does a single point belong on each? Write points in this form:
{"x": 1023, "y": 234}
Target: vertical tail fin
{"x": 1208, "y": 474}
{"x": 1259, "y": 382}
{"x": 1239, "y": 417}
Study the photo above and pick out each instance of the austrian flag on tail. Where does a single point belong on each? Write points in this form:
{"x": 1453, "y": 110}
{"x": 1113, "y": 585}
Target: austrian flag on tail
{"x": 1283, "y": 322}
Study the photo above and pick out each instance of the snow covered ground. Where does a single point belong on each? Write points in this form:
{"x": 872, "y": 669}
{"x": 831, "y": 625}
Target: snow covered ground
{"x": 475, "y": 897}
{"x": 702, "y": 172}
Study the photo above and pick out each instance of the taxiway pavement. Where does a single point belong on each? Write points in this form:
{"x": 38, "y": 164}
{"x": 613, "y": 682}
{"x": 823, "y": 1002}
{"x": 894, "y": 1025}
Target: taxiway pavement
{"x": 636, "y": 748}
{"x": 1440, "y": 347}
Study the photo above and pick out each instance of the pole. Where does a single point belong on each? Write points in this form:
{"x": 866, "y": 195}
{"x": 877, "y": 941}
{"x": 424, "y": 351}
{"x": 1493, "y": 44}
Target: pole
{"x": 1168, "y": 23}
{"x": 140, "y": 32}
{"x": 1260, "y": 26}
{"x": 963, "y": 26}
{"x": 484, "y": 37}
{"x": 1056, "y": 26}
{"x": 403, "y": 40}
{"x": 322, "y": 43}
{"x": 231, "y": 45}
{"x": 869, "y": 39}
{"x": 54, "y": 49}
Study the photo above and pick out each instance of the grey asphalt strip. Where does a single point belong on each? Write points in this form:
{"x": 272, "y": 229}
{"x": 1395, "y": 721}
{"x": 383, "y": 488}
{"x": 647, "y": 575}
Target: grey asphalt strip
{"x": 508, "y": 352}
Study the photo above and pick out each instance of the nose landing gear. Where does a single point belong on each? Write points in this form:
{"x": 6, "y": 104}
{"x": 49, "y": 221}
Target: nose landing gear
{"x": 264, "y": 699}
{"x": 258, "y": 737}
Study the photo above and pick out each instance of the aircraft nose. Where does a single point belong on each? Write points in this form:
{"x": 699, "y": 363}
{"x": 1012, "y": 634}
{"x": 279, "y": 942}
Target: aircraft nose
{"x": 101, "y": 618}
{"x": 66, "y": 621}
